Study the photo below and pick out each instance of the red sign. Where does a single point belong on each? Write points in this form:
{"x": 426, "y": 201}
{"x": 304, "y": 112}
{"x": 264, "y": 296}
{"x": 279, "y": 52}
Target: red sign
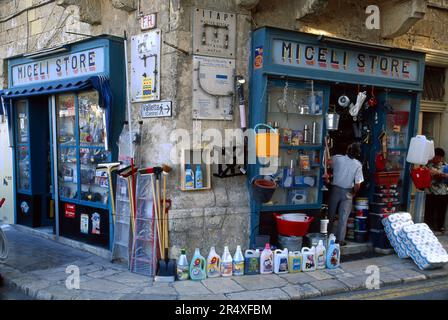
{"x": 70, "y": 210}
{"x": 148, "y": 21}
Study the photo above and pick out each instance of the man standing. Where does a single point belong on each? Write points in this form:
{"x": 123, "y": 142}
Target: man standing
{"x": 347, "y": 179}
{"x": 437, "y": 197}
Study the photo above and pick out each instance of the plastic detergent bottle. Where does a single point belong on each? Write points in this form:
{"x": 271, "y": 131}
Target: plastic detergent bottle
{"x": 266, "y": 260}
{"x": 308, "y": 259}
{"x": 189, "y": 178}
{"x": 226, "y": 263}
{"x": 321, "y": 256}
{"x": 333, "y": 253}
{"x": 238, "y": 262}
{"x": 213, "y": 264}
{"x": 294, "y": 262}
{"x": 197, "y": 266}
{"x": 281, "y": 261}
{"x": 183, "y": 266}
{"x": 252, "y": 262}
{"x": 198, "y": 183}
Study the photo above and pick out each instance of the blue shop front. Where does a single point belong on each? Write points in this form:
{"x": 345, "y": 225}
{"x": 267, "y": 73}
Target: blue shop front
{"x": 65, "y": 111}
{"x": 322, "y": 93}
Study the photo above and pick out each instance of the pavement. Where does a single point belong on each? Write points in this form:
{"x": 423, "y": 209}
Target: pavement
{"x": 37, "y": 267}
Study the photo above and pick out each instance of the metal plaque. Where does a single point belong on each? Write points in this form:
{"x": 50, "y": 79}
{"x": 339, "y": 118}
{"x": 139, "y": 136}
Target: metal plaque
{"x": 214, "y": 33}
{"x": 145, "y": 66}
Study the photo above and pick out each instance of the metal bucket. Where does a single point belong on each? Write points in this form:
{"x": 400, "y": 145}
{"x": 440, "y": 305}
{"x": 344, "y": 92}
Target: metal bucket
{"x": 332, "y": 120}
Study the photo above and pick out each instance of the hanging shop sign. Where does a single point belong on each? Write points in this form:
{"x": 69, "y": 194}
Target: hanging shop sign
{"x": 295, "y": 54}
{"x": 70, "y": 210}
{"x": 148, "y": 21}
{"x": 145, "y": 66}
{"x": 59, "y": 68}
{"x": 213, "y": 88}
{"x": 156, "y": 109}
{"x": 214, "y": 33}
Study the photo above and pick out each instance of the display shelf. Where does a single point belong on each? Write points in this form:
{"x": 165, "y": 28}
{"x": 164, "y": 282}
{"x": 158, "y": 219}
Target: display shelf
{"x": 194, "y": 157}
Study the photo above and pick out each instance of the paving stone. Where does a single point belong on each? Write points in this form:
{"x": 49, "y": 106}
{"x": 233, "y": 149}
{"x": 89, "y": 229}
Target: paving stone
{"x": 60, "y": 292}
{"x": 344, "y": 275}
{"x": 298, "y": 278}
{"x": 436, "y": 273}
{"x": 96, "y": 295}
{"x": 139, "y": 296}
{"x": 265, "y": 294}
{"x": 390, "y": 278}
{"x": 131, "y": 279}
{"x": 330, "y": 286}
{"x": 320, "y": 275}
{"x": 409, "y": 275}
{"x": 159, "y": 289}
{"x": 354, "y": 283}
{"x": 258, "y": 282}
{"x": 203, "y": 297}
{"x": 102, "y": 273}
{"x": 190, "y": 288}
{"x": 220, "y": 285}
{"x": 334, "y": 272}
{"x": 32, "y": 288}
{"x": 101, "y": 285}
{"x": 304, "y": 291}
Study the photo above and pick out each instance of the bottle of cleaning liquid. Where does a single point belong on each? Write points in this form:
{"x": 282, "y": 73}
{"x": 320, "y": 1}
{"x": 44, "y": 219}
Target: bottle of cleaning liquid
{"x": 238, "y": 262}
{"x": 189, "y": 178}
{"x": 183, "y": 272}
{"x": 252, "y": 262}
{"x": 294, "y": 262}
{"x": 333, "y": 253}
{"x": 197, "y": 266}
{"x": 213, "y": 264}
{"x": 226, "y": 263}
{"x": 308, "y": 259}
{"x": 266, "y": 260}
{"x": 281, "y": 261}
{"x": 198, "y": 184}
{"x": 321, "y": 256}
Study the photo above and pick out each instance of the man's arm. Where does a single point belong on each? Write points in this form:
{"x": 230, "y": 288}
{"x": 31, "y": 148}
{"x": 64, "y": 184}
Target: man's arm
{"x": 356, "y": 188}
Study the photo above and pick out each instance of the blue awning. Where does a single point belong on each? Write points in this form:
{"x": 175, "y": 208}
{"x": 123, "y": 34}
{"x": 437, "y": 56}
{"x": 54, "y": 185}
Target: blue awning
{"x": 48, "y": 89}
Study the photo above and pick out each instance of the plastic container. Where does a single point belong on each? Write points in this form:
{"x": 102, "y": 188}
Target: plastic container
{"x": 361, "y": 236}
{"x": 292, "y": 228}
{"x": 390, "y": 178}
{"x": 183, "y": 268}
{"x": 291, "y": 243}
{"x": 308, "y": 259}
{"x": 198, "y": 181}
{"x": 266, "y": 260}
{"x": 238, "y": 262}
{"x": 213, "y": 264}
{"x": 361, "y": 213}
{"x": 419, "y": 150}
{"x": 189, "y": 178}
{"x": 362, "y": 202}
{"x": 321, "y": 256}
{"x": 390, "y": 207}
{"x": 386, "y": 197}
{"x": 281, "y": 261}
{"x": 198, "y": 266}
{"x": 314, "y": 238}
{"x": 226, "y": 263}
{"x": 361, "y": 224}
{"x": 333, "y": 253}
{"x": 295, "y": 217}
{"x": 294, "y": 261}
{"x": 262, "y": 190}
{"x": 379, "y": 239}
{"x": 252, "y": 262}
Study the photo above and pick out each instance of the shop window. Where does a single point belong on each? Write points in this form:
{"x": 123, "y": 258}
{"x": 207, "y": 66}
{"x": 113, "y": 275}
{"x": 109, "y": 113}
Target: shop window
{"x": 431, "y": 126}
{"x": 434, "y": 84}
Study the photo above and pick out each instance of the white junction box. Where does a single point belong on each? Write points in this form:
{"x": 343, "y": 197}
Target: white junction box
{"x": 145, "y": 66}
{"x": 214, "y": 33}
{"x": 213, "y": 88}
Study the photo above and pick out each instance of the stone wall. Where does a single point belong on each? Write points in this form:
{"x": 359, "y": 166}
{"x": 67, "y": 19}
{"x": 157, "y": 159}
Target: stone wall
{"x": 220, "y": 216}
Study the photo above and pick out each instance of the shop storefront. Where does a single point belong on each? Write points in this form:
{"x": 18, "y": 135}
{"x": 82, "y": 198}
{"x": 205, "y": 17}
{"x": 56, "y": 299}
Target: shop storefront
{"x": 309, "y": 88}
{"x": 66, "y": 110}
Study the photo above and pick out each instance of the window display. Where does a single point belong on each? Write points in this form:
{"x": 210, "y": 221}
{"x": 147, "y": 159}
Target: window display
{"x": 91, "y": 123}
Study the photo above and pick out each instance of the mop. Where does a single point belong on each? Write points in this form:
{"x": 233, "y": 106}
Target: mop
{"x": 109, "y": 168}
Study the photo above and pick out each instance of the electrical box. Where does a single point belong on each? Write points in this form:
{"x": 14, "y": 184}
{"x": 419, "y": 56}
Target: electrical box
{"x": 145, "y": 66}
{"x": 214, "y": 33}
{"x": 213, "y": 88}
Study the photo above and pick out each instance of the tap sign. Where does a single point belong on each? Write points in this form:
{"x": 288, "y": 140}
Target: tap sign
{"x": 288, "y": 53}
{"x": 73, "y": 65}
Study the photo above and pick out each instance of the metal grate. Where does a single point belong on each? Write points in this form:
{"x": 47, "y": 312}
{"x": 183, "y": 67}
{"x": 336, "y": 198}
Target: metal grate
{"x": 434, "y": 84}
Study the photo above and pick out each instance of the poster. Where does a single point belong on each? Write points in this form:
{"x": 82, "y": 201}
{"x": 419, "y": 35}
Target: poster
{"x": 70, "y": 211}
{"x": 85, "y": 223}
{"x": 96, "y": 219}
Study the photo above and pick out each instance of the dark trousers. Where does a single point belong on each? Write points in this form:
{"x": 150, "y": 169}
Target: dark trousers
{"x": 340, "y": 203}
{"x": 435, "y": 210}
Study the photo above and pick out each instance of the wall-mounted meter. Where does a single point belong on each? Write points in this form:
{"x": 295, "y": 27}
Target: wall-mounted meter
{"x": 214, "y": 33}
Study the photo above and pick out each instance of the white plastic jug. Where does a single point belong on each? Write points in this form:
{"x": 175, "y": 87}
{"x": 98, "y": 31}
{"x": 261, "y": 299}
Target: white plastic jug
{"x": 308, "y": 259}
{"x": 266, "y": 260}
{"x": 281, "y": 261}
{"x": 420, "y": 151}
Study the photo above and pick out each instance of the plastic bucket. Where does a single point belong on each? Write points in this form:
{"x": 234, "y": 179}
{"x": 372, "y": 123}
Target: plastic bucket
{"x": 362, "y": 202}
{"x": 332, "y": 121}
{"x": 262, "y": 190}
{"x": 297, "y": 217}
{"x": 361, "y": 224}
{"x": 291, "y": 243}
{"x": 361, "y": 236}
{"x": 313, "y": 239}
{"x": 292, "y": 228}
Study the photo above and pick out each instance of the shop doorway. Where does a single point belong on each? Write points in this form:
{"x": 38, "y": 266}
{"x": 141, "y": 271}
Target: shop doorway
{"x": 34, "y": 201}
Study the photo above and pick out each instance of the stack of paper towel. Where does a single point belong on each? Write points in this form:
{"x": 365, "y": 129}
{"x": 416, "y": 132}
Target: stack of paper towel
{"x": 416, "y": 241}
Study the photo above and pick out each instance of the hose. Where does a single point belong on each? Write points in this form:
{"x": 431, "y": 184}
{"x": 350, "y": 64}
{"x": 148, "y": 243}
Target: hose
{"x": 3, "y": 246}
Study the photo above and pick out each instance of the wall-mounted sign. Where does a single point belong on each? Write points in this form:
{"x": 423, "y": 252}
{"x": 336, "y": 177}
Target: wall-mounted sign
{"x": 325, "y": 58}
{"x": 58, "y": 68}
{"x": 214, "y": 33}
{"x": 258, "y": 59}
{"x": 145, "y": 65}
{"x": 70, "y": 211}
{"x": 156, "y": 109}
{"x": 148, "y": 21}
{"x": 84, "y": 223}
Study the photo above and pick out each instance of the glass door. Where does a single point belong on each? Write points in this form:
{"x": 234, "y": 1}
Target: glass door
{"x": 23, "y": 148}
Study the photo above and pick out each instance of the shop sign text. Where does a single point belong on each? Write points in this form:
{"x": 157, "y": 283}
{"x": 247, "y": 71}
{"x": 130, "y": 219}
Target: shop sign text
{"x": 338, "y": 60}
{"x": 148, "y": 21}
{"x": 156, "y": 109}
{"x": 74, "y": 65}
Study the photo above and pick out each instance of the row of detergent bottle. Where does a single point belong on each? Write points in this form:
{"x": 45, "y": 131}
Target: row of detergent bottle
{"x": 254, "y": 262}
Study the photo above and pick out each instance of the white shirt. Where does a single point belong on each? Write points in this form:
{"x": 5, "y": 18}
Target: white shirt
{"x": 346, "y": 171}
